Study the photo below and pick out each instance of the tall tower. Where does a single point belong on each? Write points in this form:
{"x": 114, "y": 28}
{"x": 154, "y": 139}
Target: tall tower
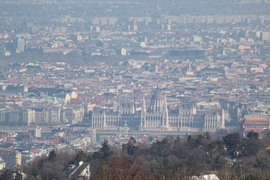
{"x": 166, "y": 114}
{"x": 156, "y": 116}
{"x": 104, "y": 120}
{"x": 143, "y": 114}
{"x": 156, "y": 103}
{"x": 222, "y": 126}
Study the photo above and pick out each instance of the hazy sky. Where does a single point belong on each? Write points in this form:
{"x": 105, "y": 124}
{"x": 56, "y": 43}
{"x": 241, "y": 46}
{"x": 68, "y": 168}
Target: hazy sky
{"x": 117, "y": 8}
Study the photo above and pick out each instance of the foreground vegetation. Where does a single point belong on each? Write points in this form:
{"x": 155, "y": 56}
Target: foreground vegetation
{"x": 231, "y": 157}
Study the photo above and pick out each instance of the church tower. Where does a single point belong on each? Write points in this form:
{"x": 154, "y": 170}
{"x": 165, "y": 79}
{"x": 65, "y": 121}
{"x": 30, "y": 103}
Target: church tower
{"x": 143, "y": 115}
{"x": 166, "y": 124}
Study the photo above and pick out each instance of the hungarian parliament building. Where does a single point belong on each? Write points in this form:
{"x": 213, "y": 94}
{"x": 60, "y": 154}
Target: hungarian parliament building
{"x": 156, "y": 115}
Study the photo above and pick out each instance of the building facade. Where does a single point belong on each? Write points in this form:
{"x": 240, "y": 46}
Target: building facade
{"x": 11, "y": 157}
{"x": 157, "y": 116}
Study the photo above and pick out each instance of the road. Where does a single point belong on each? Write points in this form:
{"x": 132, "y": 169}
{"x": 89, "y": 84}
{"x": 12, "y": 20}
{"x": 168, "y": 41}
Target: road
{"x": 101, "y": 132}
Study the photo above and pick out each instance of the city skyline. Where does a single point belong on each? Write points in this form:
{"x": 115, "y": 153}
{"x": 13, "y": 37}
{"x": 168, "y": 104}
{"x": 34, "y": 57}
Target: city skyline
{"x": 76, "y": 72}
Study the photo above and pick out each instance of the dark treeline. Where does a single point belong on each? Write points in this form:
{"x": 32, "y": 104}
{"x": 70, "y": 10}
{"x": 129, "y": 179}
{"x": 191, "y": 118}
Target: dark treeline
{"x": 231, "y": 157}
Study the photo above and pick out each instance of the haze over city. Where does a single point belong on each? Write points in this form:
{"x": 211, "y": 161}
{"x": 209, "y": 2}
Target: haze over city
{"x": 77, "y": 72}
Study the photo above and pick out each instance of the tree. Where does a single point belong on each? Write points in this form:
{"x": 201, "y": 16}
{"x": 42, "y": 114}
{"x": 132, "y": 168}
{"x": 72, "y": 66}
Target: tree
{"x": 98, "y": 155}
{"x": 7, "y": 175}
{"x": 180, "y": 149}
{"x": 233, "y": 144}
{"x": 169, "y": 158}
{"x": 250, "y": 177}
{"x": 52, "y": 155}
{"x": 18, "y": 176}
{"x": 251, "y": 147}
{"x": 104, "y": 151}
{"x": 150, "y": 138}
{"x": 46, "y": 169}
{"x": 253, "y": 135}
{"x": 265, "y": 141}
{"x": 160, "y": 148}
{"x": 34, "y": 172}
{"x": 191, "y": 142}
{"x": 130, "y": 148}
{"x": 120, "y": 168}
{"x": 80, "y": 156}
{"x": 207, "y": 135}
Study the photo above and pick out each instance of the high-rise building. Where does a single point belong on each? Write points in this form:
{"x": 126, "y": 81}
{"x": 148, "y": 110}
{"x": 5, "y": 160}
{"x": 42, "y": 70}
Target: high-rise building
{"x": 20, "y": 44}
{"x": 16, "y": 45}
{"x": 35, "y": 131}
{"x": 122, "y": 52}
{"x": 104, "y": 20}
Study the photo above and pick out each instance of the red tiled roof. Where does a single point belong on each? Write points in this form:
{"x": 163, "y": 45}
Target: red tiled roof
{"x": 35, "y": 151}
{"x": 76, "y": 101}
{"x": 55, "y": 141}
{"x": 7, "y": 149}
{"x": 258, "y": 130}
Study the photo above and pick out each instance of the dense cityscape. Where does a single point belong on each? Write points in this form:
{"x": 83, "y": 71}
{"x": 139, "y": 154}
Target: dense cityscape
{"x": 74, "y": 73}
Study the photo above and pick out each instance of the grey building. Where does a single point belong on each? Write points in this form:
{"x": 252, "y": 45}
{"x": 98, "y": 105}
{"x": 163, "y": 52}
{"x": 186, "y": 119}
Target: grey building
{"x": 156, "y": 116}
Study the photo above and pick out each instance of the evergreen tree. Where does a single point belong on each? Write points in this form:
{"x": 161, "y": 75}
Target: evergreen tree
{"x": 7, "y": 175}
{"x": 233, "y": 144}
{"x": 104, "y": 151}
{"x": 52, "y": 155}
{"x": 253, "y": 135}
{"x": 130, "y": 148}
{"x": 80, "y": 156}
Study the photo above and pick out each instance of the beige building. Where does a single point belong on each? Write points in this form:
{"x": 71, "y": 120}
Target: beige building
{"x": 255, "y": 122}
{"x": 2, "y": 164}
{"x": 28, "y": 116}
{"x": 74, "y": 114}
{"x": 41, "y": 116}
{"x": 11, "y": 157}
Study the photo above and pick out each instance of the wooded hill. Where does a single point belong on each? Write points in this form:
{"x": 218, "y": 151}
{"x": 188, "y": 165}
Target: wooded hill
{"x": 231, "y": 157}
